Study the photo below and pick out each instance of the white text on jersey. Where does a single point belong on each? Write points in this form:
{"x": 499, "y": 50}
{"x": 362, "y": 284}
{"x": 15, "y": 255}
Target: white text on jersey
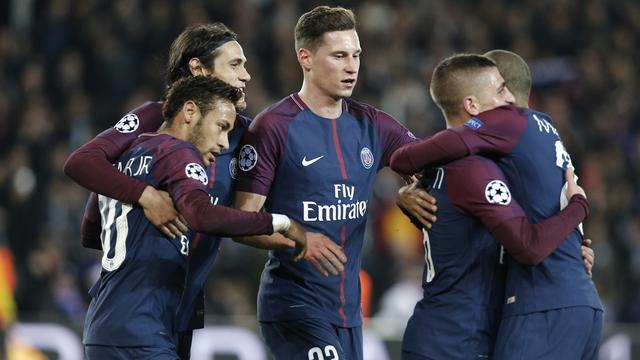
{"x": 545, "y": 125}
{"x": 142, "y": 166}
{"x": 334, "y": 212}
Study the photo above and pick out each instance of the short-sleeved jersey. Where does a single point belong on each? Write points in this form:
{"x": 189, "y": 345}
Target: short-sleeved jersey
{"x": 531, "y": 154}
{"x": 148, "y": 118}
{"x": 136, "y": 299}
{"x": 320, "y": 172}
{"x": 463, "y": 279}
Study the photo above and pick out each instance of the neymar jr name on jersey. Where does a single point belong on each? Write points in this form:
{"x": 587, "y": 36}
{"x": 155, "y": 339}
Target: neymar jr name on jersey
{"x": 140, "y": 163}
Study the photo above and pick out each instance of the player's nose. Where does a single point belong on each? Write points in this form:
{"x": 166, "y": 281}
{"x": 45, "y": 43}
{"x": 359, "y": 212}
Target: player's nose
{"x": 509, "y": 98}
{"x": 245, "y": 77}
{"x": 223, "y": 141}
{"x": 352, "y": 65}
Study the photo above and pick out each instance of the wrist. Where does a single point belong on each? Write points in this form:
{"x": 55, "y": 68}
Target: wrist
{"x": 140, "y": 191}
{"x": 281, "y": 223}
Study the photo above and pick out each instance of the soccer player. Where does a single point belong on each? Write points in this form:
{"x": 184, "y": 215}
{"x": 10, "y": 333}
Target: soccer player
{"x": 133, "y": 310}
{"x": 463, "y": 278}
{"x": 209, "y": 50}
{"x": 542, "y": 303}
{"x": 314, "y": 156}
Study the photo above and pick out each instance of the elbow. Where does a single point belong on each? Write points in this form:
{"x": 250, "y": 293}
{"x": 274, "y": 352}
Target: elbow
{"x": 192, "y": 207}
{"x": 69, "y": 166}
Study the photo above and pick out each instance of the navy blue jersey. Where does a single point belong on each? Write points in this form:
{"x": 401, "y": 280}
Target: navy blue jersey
{"x": 320, "y": 172}
{"x": 205, "y": 248}
{"x": 463, "y": 279}
{"x": 148, "y": 118}
{"x": 136, "y": 299}
{"x": 534, "y": 160}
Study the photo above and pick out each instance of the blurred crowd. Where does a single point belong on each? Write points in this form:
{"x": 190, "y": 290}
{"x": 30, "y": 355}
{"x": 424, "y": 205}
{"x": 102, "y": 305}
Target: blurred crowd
{"x": 71, "y": 68}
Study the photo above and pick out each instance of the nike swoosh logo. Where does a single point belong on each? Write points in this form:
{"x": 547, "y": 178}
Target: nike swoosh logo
{"x": 306, "y": 162}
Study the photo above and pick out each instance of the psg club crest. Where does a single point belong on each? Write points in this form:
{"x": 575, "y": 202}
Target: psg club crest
{"x": 233, "y": 167}
{"x": 128, "y": 124}
{"x": 366, "y": 156}
{"x": 247, "y": 158}
{"x": 196, "y": 171}
{"x": 497, "y": 192}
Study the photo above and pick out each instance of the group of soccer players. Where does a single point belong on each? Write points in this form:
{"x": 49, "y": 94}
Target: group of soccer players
{"x": 165, "y": 172}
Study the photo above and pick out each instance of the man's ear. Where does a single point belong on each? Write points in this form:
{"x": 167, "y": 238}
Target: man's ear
{"x": 471, "y": 105}
{"x": 196, "y": 67}
{"x": 190, "y": 111}
{"x": 305, "y": 58}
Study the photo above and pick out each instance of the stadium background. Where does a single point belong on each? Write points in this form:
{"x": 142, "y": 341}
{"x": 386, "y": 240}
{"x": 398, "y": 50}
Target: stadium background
{"x": 70, "y": 68}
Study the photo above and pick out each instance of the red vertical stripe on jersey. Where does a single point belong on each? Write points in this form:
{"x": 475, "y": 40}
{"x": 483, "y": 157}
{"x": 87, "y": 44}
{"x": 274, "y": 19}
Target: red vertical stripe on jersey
{"x": 343, "y": 239}
{"x": 212, "y": 175}
{"x": 343, "y": 229}
{"x": 336, "y": 142}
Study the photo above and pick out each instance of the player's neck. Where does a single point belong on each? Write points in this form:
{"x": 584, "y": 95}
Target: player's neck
{"x": 453, "y": 121}
{"x": 320, "y": 103}
{"x": 175, "y": 131}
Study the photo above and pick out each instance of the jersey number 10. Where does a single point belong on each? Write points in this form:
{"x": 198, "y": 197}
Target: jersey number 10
{"x": 113, "y": 212}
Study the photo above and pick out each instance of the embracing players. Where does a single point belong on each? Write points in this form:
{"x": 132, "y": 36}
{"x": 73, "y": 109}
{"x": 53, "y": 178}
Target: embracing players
{"x": 201, "y": 50}
{"x": 545, "y": 302}
{"x": 135, "y": 301}
{"x": 463, "y": 278}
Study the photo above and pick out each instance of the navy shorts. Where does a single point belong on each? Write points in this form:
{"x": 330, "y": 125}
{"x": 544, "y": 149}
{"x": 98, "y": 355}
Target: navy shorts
{"x": 99, "y": 352}
{"x": 312, "y": 339}
{"x": 438, "y": 330}
{"x": 567, "y": 334}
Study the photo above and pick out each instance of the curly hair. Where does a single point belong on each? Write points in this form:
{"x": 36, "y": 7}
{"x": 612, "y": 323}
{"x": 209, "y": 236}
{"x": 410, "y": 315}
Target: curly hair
{"x": 204, "y": 91}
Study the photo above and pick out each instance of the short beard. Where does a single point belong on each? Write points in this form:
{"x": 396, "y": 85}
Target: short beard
{"x": 196, "y": 137}
{"x": 241, "y": 104}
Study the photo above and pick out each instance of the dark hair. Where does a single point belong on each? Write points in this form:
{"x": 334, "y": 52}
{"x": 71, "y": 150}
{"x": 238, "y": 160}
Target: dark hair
{"x": 204, "y": 91}
{"x": 452, "y": 77}
{"x": 322, "y": 19}
{"x": 199, "y": 41}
